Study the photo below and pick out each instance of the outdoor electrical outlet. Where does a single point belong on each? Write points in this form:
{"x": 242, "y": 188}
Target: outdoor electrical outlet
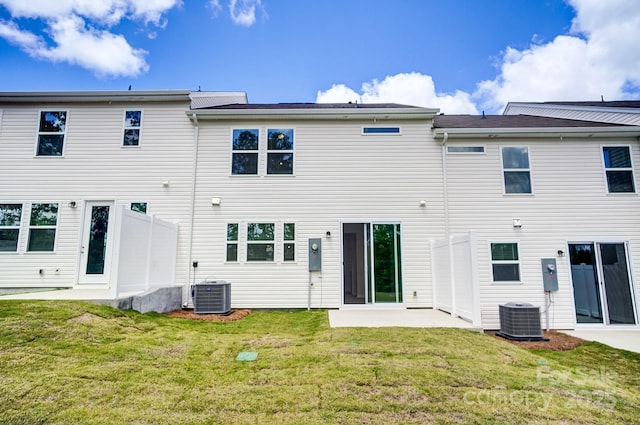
{"x": 415, "y": 293}
{"x": 195, "y": 264}
{"x": 41, "y": 271}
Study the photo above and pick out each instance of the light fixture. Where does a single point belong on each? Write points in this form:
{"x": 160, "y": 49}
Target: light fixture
{"x": 216, "y": 202}
{"x": 560, "y": 253}
{"x": 73, "y": 204}
{"x": 423, "y": 203}
{"x": 165, "y": 183}
{"x": 328, "y": 234}
{"x": 517, "y": 223}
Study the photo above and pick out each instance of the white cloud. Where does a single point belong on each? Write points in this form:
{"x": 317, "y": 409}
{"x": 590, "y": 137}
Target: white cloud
{"x": 408, "y": 89}
{"x": 79, "y": 32}
{"x": 103, "y": 52}
{"x": 243, "y": 12}
{"x": 598, "y": 58}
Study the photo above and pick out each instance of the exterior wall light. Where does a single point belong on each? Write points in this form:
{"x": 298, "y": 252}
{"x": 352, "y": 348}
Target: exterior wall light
{"x": 216, "y": 202}
{"x": 517, "y": 223}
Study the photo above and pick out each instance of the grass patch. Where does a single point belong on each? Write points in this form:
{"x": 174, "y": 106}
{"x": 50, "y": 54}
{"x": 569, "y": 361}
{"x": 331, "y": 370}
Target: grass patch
{"x": 79, "y": 363}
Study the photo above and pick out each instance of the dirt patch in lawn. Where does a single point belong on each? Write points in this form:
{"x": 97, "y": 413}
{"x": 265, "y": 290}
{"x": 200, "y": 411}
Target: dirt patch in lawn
{"x": 189, "y": 314}
{"x": 558, "y": 341}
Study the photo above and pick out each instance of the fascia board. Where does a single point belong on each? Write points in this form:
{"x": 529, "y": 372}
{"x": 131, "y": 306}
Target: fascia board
{"x": 540, "y": 132}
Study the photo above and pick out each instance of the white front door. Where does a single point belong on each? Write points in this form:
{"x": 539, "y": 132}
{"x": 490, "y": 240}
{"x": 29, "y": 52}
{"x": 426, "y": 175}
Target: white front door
{"x": 97, "y": 242}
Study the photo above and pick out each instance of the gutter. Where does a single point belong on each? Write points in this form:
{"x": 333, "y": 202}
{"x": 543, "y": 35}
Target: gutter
{"x": 194, "y": 176}
{"x": 315, "y": 113}
{"x": 95, "y": 96}
{"x": 540, "y": 132}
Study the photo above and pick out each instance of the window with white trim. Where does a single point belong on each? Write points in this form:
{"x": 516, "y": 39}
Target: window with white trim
{"x": 505, "y": 262}
{"x": 289, "y": 245}
{"x": 280, "y": 151}
{"x": 244, "y": 151}
{"x": 515, "y": 169}
{"x": 10, "y": 220}
{"x": 132, "y": 128}
{"x": 232, "y": 242}
{"x": 51, "y": 132}
{"x": 42, "y": 227}
{"x": 260, "y": 242}
{"x": 618, "y": 168}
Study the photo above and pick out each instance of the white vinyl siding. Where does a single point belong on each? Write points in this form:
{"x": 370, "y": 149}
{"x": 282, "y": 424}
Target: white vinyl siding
{"x": 571, "y": 203}
{"x": 340, "y": 176}
{"x": 95, "y": 167}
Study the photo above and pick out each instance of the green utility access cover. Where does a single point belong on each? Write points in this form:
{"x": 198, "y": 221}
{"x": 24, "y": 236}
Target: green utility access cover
{"x": 246, "y": 356}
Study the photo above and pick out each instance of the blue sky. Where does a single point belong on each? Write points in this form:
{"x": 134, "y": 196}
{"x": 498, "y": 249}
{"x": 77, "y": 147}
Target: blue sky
{"x": 463, "y": 56}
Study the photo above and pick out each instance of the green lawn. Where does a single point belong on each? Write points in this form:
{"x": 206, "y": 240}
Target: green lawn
{"x": 78, "y": 363}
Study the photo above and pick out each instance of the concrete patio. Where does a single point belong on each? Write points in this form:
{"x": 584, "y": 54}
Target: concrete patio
{"x": 622, "y": 338}
{"x": 408, "y": 318}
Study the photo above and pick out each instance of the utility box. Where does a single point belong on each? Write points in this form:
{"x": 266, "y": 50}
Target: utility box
{"x": 315, "y": 254}
{"x": 549, "y": 274}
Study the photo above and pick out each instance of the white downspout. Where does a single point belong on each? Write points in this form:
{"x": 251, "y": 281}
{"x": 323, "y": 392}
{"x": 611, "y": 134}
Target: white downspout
{"x": 196, "y": 136}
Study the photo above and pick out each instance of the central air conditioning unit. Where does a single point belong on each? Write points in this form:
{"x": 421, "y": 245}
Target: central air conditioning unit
{"x": 212, "y": 296}
{"x": 520, "y": 322}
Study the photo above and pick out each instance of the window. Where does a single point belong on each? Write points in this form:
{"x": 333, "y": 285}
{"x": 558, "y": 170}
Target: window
{"x": 381, "y": 130}
{"x": 619, "y": 170}
{"x": 260, "y": 237}
{"x": 140, "y": 207}
{"x": 10, "y": 217}
{"x": 289, "y": 247}
{"x": 132, "y": 122}
{"x": 465, "y": 149}
{"x": 232, "y": 242}
{"x": 42, "y": 227}
{"x": 244, "y": 158}
{"x": 505, "y": 262}
{"x": 51, "y": 133}
{"x": 280, "y": 151}
{"x": 515, "y": 166}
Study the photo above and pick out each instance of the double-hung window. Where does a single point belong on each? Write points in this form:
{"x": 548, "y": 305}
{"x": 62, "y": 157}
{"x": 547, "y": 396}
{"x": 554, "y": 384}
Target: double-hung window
{"x": 280, "y": 151}
{"x": 244, "y": 156}
{"x": 42, "y": 227}
{"x": 51, "y": 132}
{"x": 515, "y": 169}
{"x": 132, "y": 126}
{"x": 618, "y": 168}
{"x": 10, "y": 218}
{"x": 289, "y": 246}
{"x": 232, "y": 242}
{"x": 260, "y": 241}
{"x": 505, "y": 262}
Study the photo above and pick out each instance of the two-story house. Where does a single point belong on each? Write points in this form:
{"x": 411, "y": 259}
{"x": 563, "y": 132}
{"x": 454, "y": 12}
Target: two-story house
{"x": 320, "y": 205}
